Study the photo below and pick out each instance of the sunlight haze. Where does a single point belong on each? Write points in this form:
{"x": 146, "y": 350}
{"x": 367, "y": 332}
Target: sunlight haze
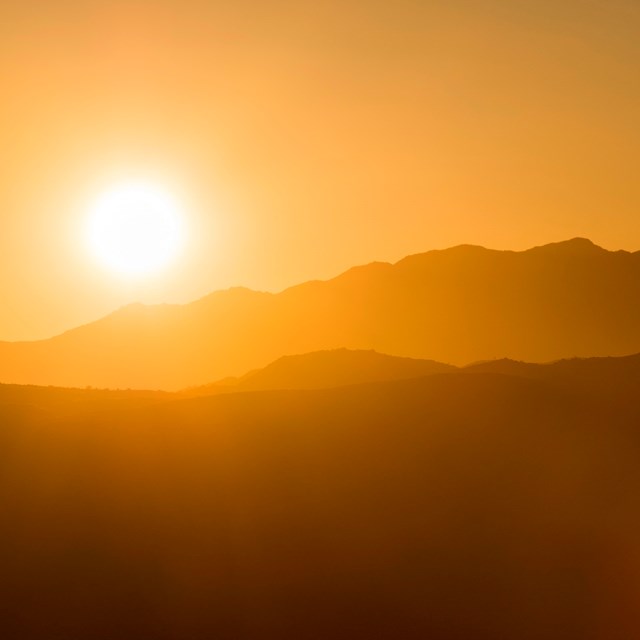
{"x": 135, "y": 229}
{"x": 507, "y": 124}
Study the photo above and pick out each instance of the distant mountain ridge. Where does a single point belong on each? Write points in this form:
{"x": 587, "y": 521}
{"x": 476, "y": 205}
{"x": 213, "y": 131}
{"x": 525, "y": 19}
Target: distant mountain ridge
{"x": 327, "y": 369}
{"x": 343, "y": 367}
{"x": 457, "y": 305}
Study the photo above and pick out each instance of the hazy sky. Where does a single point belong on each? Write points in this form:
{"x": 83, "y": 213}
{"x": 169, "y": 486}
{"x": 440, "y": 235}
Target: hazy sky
{"x": 304, "y": 137}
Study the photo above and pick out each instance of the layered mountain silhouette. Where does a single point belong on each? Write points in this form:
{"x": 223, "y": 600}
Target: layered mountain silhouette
{"x": 606, "y": 378}
{"x": 494, "y": 501}
{"x": 325, "y": 369}
{"x": 457, "y": 306}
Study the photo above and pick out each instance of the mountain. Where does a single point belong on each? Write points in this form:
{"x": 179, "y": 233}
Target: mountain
{"x": 467, "y": 504}
{"x": 597, "y": 377}
{"x": 325, "y": 369}
{"x": 458, "y": 305}
{"x": 605, "y": 379}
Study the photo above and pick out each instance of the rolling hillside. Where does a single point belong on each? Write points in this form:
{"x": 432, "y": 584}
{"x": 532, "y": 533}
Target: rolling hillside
{"x": 470, "y": 504}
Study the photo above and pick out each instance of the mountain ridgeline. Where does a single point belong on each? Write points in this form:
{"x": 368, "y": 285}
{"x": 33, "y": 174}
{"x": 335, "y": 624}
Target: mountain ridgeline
{"x": 456, "y": 306}
{"x": 323, "y": 370}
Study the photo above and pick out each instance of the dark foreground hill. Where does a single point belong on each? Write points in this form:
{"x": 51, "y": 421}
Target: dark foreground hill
{"x": 459, "y": 505}
{"x": 459, "y": 305}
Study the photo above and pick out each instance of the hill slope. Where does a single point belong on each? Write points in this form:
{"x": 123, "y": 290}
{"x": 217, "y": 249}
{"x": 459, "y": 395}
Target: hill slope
{"x": 458, "y": 305}
{"x": 458, "y": 505}
{"x": 325, "y": 369}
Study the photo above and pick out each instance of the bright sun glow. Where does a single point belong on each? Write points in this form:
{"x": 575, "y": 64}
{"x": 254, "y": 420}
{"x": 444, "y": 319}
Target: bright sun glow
{"x": 135, "y": 229}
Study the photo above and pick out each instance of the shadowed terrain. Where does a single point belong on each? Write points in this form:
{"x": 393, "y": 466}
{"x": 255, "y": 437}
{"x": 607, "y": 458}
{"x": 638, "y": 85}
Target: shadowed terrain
{"x": 497, "y": 501}
{"x": 457, "y": 306}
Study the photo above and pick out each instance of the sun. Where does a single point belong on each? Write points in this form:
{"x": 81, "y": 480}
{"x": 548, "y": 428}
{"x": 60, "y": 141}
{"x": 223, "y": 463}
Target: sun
{"x": 135, "y": 229}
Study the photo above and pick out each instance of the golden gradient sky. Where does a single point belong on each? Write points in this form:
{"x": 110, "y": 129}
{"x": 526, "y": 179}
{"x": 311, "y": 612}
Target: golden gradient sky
{"x": 304, "y": 137}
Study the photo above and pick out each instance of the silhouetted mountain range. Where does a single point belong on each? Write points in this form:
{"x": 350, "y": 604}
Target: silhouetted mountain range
{"x": 458, "y": 306}
{"x": 325, "y": 369}
{"x": 495, "y": 501}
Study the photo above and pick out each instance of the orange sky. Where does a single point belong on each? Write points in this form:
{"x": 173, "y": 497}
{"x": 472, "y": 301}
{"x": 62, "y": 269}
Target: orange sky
{"x": 304, "y": 137}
